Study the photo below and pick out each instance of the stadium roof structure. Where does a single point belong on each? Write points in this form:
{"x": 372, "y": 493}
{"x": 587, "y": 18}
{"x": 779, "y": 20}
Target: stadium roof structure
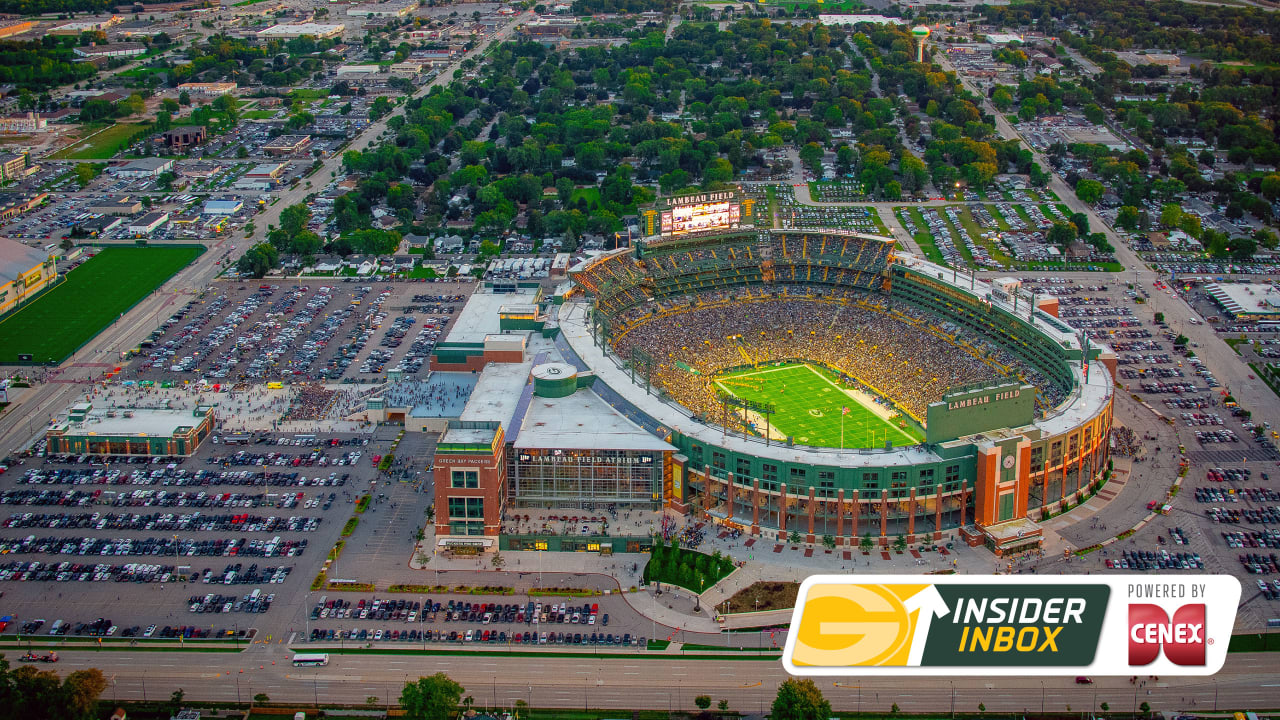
{"x": 497, "y": 393}
{"x": 582, "y": 421}
{"x": 16, "y": 258}
{"x": 1091, "y": 392}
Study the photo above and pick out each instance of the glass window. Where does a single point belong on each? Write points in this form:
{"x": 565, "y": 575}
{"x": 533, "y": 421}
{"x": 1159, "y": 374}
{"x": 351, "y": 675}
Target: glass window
{"x": 465, "y": 479}
{"x": 769, "y": 471}
{"x": 466, "y": 507}
{"x": 743, "y": 467}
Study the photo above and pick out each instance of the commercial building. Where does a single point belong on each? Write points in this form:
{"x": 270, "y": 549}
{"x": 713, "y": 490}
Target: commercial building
{"x": 14, "y": 204}
{"x": 24, "y": 271}
{"x": 22, "y": 123}
{"x": 116, "y": 206}
{"x": 181, "y": 138}
{"x": 15, "y": 27}
{"x": 1247, "y": 302}
{"x": 143, "y": 168}
{"x": 288, "y": 31}
{"x": 214, "y": 88}
{"x": 97, "y": 226}
{"x": 382, "y": 10}
{"x": 266, "y": 173}
{"x": 12, "y": 165}
{"x": 148, "y": 224}
{"x": 223, "y": 207}
{"x": 130, "y": 431}
{"x": 80, "y": 26}
{"x": 115, "y": 50}
{"x": 287, "y": 145}
{"x": 409, "y": 67}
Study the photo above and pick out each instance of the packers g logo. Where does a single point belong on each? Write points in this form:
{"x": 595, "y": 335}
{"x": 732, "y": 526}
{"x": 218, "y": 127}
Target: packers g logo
{"x": 856, "y": 625}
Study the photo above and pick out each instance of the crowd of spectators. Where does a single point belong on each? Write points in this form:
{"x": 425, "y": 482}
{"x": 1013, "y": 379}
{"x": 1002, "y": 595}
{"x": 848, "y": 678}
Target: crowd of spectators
{"x": 313, "y": 402}
{"x": 891, "y": 350}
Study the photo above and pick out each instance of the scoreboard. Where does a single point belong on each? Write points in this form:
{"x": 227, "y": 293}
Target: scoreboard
{"x": 682, "y": 219}
{"x": 697, "y": 213}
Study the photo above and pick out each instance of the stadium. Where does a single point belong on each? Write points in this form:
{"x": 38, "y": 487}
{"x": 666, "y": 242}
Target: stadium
{"x": 817, "y": 382}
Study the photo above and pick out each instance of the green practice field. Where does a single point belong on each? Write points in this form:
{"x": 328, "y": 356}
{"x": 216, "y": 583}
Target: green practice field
{"x": 808, "y": 404}
{"x": 53, "y": 325}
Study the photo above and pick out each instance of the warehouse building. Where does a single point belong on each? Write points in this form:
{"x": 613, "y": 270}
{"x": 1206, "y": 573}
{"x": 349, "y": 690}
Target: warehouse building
{"x": 148, "y": 223}
{"x": 288, "y": 31}
{"x": 287, "y": 145}
{"x": 143, "y": 168}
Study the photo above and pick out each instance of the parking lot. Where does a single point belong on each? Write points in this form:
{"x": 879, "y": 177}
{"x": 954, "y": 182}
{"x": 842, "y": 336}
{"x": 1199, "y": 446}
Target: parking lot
{"x": 211, "y": 545}
{"x": 304, "y": 330}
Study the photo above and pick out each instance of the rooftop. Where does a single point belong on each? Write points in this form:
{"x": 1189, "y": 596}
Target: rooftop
{"x": 16, "y": 258}
{"x": 479, "y": 317}
{"x": 582, "y": 421}
{"x": 1246, "y": 298}
{"x": 497, "y": 392}
{"x": 143, "y": 422}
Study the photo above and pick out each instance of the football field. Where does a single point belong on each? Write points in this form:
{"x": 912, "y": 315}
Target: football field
{"x": 91, "y": 297}
{"x": 808, "y": 406}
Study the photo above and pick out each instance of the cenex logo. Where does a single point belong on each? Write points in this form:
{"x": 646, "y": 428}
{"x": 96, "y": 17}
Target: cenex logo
{"x": 1183, "y": 638}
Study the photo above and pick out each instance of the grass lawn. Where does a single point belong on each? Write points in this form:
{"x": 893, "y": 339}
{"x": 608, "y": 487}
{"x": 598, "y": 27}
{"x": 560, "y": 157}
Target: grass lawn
{"x": 258, "y": 114}
{"x": 101, "y": 143}
{"x": 808, "y": 408}
{"x": 423, "y": 272}
{"x": 94, "y": 294}
{"x": 591, "y": 195}
{"x": 308, "y": 94}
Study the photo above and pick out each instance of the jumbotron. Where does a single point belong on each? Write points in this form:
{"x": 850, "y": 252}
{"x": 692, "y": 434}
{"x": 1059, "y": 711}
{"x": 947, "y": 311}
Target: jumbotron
{"x": 817, "y": 382}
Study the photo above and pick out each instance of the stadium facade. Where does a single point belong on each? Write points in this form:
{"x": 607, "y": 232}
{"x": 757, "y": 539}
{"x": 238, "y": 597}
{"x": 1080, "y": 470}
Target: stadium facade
{"x": 597, "y": 420}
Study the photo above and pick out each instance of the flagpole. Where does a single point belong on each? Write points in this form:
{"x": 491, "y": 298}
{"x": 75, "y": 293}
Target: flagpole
{"x": 842, "y": 430}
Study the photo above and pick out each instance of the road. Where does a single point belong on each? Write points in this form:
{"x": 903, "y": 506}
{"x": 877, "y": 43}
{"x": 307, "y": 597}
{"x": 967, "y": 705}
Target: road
{"x": 664, "y": 680}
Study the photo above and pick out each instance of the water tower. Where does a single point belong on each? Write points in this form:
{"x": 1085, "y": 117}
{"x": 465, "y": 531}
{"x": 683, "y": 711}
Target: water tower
{"x": 920, "y": 33}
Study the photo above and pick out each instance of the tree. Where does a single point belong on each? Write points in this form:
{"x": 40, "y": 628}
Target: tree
{"x": 1127, "y": 218}
{"x": 1061, "y": 234}
{"x": 294, "y": 218}
{"x": 1159, "y": 318}
{"x": 184, "y": 98}
{"x": 900, "y": 543}
{"x": 1089, "y": 191}
{"x": 431, "y": 698}
{"x": 85, "y": 173}
{"x": 80, "y": 693}
{"x": 828, "y": 542}
{"x": 66, "y": 244}
{"x": 1081, "y": 221}
{"x": 1145, "y": 707}
{"x": 722, "y": 705}
{"x": 800, "y": 700}
{"x": 1104, "y": 707}
{"x": 865, "y": 544}
{"x": 1170, "y": 215}
{"x": 702, "y": 701}
{"x": 261, "y": 698}
{"x": 794, "y": 536}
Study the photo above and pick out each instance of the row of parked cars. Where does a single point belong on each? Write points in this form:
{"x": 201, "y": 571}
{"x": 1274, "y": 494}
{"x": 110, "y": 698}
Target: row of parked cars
{"x": 1156, "y": 560}
{"x": 176, "y": 477}
{"x": 162, "y": 546}
{"x": 477, "y": 636}
{"x": 166, "y": 522}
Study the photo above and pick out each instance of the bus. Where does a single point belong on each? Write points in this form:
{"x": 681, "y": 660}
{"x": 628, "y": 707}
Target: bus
{"x": 310, "y": 659}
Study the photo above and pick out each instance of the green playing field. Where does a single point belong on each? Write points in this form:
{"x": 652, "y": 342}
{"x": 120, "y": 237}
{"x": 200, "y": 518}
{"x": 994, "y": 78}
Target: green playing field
{"x": 808, "y": 408}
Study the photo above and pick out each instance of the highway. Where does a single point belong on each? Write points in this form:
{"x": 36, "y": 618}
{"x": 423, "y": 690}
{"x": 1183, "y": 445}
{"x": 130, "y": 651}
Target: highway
{"x": 657, "y": 682}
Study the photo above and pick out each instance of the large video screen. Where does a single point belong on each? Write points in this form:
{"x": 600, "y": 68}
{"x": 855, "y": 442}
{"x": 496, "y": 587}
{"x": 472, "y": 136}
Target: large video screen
{"x": 683, "y": 219}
